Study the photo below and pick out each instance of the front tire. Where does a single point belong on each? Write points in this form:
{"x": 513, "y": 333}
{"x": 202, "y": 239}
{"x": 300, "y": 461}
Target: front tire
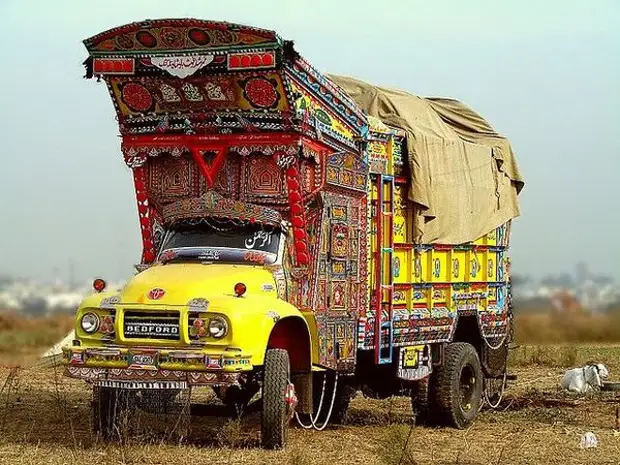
{"x": 275, "y": 416}
{"x": 109, "y": 409}
{"x": 456, "y": 386}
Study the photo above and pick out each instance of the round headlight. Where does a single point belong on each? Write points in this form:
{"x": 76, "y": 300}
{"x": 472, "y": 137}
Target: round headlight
{"x": 218, "y": 327}
{"x": 90, "y": 322}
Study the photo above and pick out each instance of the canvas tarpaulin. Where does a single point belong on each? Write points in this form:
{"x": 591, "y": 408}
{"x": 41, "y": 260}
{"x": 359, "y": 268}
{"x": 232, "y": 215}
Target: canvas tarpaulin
{"x": 464, "y": 176}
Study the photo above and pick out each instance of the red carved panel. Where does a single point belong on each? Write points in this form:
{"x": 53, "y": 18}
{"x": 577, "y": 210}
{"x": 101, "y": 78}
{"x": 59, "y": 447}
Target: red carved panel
{"x": 171, "y": 178}
{"x": 263, "y": 178}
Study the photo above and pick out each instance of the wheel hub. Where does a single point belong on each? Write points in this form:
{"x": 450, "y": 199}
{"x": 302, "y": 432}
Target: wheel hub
{"x": 467, "y": 387}
{"x": 290, "y": 398}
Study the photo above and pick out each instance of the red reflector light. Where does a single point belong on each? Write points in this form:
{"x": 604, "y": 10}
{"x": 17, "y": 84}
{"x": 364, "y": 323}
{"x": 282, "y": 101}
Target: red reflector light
{"x": 240, "y": 289}
{"x": 114, "y": 66}
{"x": 99, "y": 284}
{"x": 251, "y": 60}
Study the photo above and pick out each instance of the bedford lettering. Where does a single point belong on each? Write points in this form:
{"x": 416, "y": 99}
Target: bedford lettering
{"x": 151, "y": 329}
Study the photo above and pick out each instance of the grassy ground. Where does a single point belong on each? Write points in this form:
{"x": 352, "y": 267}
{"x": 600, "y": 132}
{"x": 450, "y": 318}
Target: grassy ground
{"x": 45, "y": 419}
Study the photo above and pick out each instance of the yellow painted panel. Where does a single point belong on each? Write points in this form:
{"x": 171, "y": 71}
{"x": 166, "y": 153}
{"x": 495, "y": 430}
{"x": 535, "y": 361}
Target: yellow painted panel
{"x": 390, "y": 154}
{"x": 422, "y": 296}
{"x": 440, "y": 269}
{"x": 421, "y": 266}
{"x": 489, "y": 239}
{"x": 371, "y": 275}
{"x": 373, "y": 191}
{"x": 401, "y": 296}
{"x": 491, "y": 268}
{"x": 378, "y": 149}
{"x": 386, "y": 265}
{"x": 373, "y": 237}
{"x": 386, "y": 228}
{"x": 400, "y": 216}
{"x": 459, "y": 266}
{"x": 492, "y": 238}
{"x": 402, "y": 266}
{"x": 400, "y": 229}
{"x": 440, "y": 296}
{"x": 475, "y": 266}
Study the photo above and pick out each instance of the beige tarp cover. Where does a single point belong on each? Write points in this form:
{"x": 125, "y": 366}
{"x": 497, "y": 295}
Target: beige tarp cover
{"x": 465, "y": 178}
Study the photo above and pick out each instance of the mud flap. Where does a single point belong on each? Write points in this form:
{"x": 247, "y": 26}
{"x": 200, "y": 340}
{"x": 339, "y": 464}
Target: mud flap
{"x": 303, "y": 389}
{"x": 414, "y": 362}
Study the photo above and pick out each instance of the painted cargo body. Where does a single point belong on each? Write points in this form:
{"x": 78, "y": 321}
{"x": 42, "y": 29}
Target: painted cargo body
{"x": 278, "y": 239}
{"x": 428, "y": 285}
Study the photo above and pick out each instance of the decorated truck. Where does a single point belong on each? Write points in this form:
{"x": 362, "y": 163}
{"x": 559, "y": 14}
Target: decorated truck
{"x": 305, "y": 237}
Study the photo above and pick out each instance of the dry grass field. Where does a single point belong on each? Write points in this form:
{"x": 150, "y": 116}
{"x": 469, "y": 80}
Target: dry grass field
{"x": 45, "y": 418}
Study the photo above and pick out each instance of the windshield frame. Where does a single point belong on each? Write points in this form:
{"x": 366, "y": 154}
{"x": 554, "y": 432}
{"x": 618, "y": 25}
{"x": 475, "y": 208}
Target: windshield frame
{"x": 218, "y": 254}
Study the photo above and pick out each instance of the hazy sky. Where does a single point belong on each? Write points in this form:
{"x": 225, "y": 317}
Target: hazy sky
{"x": 544, "y": 73}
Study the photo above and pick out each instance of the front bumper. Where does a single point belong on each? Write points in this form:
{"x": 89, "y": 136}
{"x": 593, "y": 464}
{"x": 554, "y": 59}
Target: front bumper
{"x": 124, "y": 364}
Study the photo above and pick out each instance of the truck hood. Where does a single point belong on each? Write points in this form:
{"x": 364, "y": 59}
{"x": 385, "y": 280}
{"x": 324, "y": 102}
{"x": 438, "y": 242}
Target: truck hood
{"x": 179, "y": 283}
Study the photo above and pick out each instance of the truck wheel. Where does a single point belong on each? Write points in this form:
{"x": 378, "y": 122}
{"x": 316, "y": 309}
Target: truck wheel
{"x": 276, "y": 413}
{"x": 420, "y": 402}
{"x": 455, "y": 392}
{"x": 157, "y": 400}
{"x": 344, "y": 395}
{"x": 109, "y": 407}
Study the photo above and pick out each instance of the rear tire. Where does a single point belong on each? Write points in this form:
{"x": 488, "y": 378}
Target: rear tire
{"x": 420, "y": 405}
{"x": 455, "y": 392}
{"x": 344, "y": 396}
{"x": 275, "y": 414}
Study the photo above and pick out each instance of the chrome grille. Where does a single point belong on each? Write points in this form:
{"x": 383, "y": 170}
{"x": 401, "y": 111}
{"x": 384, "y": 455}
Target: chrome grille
{"x": 151, "y": 325}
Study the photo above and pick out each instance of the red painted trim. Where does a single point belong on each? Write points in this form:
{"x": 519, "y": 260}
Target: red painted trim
{"x": 209, "y": 172}
{"x": 402, "y": 286}
{"x": 116, "y": 66}
{"x": 222, "y": 140}
{"x": 176, "y": 23}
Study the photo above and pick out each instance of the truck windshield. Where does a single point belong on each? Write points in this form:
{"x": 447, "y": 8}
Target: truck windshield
{"x": 222, "y": 243}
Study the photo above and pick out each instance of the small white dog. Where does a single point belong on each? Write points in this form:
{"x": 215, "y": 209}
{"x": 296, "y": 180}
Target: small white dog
{"x": 585, "y": 379}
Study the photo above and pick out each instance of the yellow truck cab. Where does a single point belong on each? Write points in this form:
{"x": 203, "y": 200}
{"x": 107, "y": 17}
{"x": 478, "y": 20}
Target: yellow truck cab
{"x": 304, "y": 236}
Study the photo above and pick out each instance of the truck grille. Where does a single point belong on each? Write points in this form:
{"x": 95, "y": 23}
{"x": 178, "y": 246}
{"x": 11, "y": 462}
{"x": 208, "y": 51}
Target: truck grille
{"x": 152, "y": 325}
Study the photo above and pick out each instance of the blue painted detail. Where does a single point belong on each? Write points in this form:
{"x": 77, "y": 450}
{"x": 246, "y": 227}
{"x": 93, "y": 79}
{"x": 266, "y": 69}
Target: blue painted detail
{"x": 500, "y": 267}
{"x": 422, "y": 285}
{"x": 501, "y": 296}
